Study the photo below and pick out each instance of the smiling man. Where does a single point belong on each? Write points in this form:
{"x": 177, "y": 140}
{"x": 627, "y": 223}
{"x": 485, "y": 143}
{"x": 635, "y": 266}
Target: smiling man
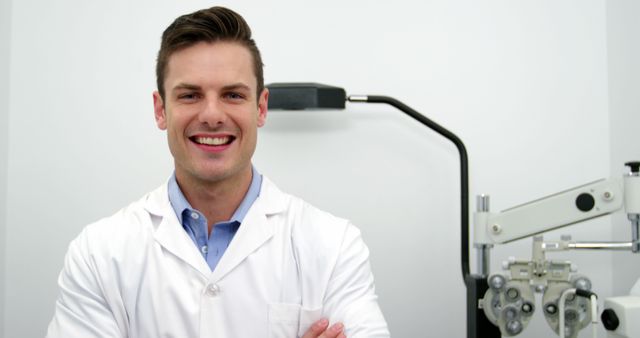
{"x": 219, "y": 250}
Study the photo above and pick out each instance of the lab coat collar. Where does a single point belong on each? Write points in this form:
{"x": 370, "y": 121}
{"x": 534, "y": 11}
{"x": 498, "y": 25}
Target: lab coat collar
{"x": 254, "y": 231}
{"x": 273, "y": 200}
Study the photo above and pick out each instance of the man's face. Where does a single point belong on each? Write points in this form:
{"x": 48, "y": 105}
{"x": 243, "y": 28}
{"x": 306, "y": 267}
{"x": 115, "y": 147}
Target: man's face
{"x": 210, "y": 111}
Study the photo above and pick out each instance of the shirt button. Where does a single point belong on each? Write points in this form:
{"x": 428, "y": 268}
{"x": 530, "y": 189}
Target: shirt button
{"x": 195, "y": 215}
{"x": 212, "y": 290}
{"x": 204, "y": 249}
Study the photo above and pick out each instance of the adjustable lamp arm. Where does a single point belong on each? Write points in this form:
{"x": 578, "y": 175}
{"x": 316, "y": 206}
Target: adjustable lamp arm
{"x": 299, "y": 96}
{"x": 464, "y": 167}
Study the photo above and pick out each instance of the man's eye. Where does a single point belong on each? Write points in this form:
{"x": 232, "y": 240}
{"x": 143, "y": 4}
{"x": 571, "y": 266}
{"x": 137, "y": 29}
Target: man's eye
{"x": 188, "y": 96}
{"x": 234, "y": 96}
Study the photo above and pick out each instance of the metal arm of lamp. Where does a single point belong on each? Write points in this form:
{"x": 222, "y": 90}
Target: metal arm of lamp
{"x": 298, "y": 96}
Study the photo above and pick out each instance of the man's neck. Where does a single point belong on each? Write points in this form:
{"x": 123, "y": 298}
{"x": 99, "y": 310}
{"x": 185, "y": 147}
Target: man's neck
{"x": 216, "y": 200}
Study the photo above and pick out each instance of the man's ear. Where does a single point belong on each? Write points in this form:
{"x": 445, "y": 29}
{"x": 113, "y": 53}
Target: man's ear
{"x": 159, "y": 112}
{"x": 263, "y": 103}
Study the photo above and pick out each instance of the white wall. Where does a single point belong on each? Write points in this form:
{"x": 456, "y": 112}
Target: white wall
{"x": 5, "y": 28}
{"x": 523, "y": 83}
{"x": 623, "y": 34}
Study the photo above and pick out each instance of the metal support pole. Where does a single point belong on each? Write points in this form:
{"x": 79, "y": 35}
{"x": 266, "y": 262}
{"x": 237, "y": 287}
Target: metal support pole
{"x": 635, "y": 231}
{"x": 618, "y": 246}
{"x": 483, "y": 250}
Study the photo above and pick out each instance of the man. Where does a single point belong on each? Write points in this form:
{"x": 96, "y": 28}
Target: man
{"x": 218, "y": 251}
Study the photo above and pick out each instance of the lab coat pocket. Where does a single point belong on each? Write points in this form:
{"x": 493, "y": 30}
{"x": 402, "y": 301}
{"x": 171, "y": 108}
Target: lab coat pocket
{"x": 307, "y": 318}
{"x": 290, "y": 320}
{"x": 283, "y": 320}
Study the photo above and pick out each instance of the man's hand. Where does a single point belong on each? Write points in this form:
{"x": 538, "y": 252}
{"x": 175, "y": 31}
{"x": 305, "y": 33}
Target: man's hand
{"x": 321, "y": 329}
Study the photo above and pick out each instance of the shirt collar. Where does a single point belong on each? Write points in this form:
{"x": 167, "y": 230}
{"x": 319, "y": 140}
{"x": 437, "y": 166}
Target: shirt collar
{"x": 180, "y": 203}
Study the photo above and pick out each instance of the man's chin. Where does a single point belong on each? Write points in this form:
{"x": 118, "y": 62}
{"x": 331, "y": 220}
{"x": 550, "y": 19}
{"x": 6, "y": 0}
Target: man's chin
{"x": 219, "y": 174}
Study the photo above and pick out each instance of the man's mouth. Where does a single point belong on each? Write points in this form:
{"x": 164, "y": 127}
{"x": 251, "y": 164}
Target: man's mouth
{"x": 212, "y": 141}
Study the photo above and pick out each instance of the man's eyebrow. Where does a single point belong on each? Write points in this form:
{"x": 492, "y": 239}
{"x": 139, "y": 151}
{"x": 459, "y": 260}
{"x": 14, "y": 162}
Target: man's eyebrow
{"x": 236, "y": 86}
{"x": 186, "y": 86}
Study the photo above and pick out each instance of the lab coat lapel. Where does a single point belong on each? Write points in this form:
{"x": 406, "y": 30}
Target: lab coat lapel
{"x": 170, "y": 234}
{"x": 255, "y": 230}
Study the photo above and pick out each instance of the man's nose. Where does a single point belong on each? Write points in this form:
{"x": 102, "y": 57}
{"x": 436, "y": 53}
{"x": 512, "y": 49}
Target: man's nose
{"x": 212, "y": 113}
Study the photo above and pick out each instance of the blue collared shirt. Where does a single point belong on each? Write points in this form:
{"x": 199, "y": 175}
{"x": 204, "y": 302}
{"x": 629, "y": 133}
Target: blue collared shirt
{"x": 195, "y": 223}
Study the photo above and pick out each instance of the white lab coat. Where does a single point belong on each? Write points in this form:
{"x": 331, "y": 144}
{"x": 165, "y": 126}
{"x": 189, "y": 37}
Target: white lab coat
{"x": 138, "y": 274}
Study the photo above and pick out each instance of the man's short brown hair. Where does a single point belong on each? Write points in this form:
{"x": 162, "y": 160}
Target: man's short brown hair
{"x": 207, "y": 25}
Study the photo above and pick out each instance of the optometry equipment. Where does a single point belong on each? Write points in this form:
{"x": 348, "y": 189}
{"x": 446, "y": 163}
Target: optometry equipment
{"x": 506, "y": 301}
{"x": 567, "y": 301}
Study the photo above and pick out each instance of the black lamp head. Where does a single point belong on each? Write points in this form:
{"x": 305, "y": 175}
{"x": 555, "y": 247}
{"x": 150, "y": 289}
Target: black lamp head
{"x": 298, "y": 96}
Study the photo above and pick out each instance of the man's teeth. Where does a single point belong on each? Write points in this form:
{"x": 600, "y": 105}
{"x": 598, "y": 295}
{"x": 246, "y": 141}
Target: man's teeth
{"x": 212, "y": 141}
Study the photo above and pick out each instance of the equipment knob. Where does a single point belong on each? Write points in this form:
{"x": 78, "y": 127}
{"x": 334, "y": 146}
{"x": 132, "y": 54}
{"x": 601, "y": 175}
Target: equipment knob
{"x": 634, "y": 166}
{"x": 610, "y": 319}
{"x": 585, "y": 202}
